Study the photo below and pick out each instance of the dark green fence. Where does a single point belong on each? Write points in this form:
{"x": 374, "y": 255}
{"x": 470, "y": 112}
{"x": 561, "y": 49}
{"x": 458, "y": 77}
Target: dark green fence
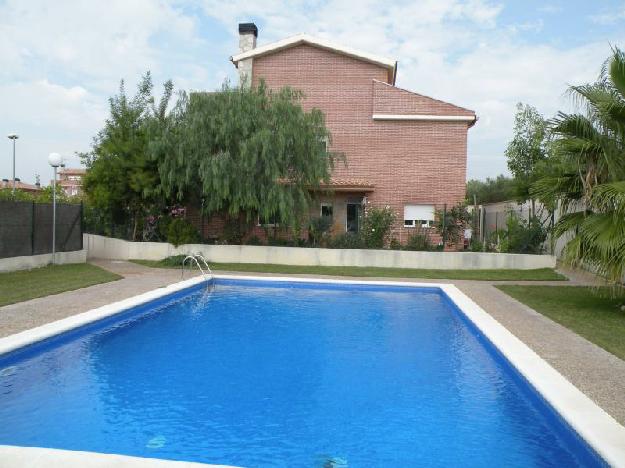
{"x": 26, "y": 228}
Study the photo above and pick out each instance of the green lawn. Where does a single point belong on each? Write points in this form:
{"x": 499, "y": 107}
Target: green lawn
{"x": 542, "y": 274}
{"x": 28, "y": 284}
{"x": 589, "y": 312}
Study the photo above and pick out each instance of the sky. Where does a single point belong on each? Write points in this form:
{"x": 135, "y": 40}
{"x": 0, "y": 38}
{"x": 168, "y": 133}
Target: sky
{"x": 60, "y": 61}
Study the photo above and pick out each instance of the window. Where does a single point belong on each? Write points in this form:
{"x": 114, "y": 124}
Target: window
{"x": 419, "y": 216}
{"x": 326, "y": 144}
{"x": 271, "y": 221}
{"x": 326, "y": 210}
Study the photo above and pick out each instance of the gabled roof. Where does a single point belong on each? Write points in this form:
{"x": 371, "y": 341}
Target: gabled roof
{"x": 19, "y": 185}
{"x": 389, "y": 64}
{"x": 393, "y": 103}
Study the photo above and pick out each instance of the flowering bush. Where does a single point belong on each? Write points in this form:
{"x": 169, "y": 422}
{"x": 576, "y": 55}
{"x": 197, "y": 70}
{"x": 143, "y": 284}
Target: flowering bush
{"x": 451, "y": 223}
{"x": 376, "y": 226}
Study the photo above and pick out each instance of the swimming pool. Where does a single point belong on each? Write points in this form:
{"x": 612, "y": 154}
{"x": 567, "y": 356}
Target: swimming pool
{"x": 285, "y": 373}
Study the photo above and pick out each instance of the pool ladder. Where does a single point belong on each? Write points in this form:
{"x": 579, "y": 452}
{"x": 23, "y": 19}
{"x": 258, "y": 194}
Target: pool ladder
{"x": 206, "y": 272}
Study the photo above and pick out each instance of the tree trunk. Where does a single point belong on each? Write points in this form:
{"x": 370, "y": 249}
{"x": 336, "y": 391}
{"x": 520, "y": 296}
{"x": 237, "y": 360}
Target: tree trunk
{"x": 134, "y": 229}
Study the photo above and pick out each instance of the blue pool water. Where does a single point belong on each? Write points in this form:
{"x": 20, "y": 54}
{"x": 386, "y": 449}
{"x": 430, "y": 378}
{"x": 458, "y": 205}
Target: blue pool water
{"x": 285, "y": 374}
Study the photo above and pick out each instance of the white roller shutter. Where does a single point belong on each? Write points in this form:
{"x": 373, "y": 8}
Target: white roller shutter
{"x": 425, "y": 212}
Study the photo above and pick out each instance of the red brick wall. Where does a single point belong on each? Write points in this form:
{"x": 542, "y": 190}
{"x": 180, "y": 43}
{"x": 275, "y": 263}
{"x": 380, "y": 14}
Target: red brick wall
{"x": 388, "y": 99}
{"x": 409, "y": 162}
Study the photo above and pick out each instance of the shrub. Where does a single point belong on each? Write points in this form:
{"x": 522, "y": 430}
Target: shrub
{"x": 477, "y": 246}
{"x": 318, "y": 228}
{"x": 234, "y": 231}
{"x": 300, "y": 242}
{"x": 395, "y": 244}
{"x": 174, "y": 261}
{"x": 376, "y": 227}
{"x": 523, "y": 236}
{"x": 180, "y": 231}
{"x": 347, "y": 240}
{"x": 254, "y": 240}
{"x": 280, "y": 242}
{"x": 418, "y": 241}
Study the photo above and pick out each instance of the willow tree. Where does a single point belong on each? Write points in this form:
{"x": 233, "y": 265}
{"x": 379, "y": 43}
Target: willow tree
{"x": 591, "y": 188}
{"x": 244, "y": 152}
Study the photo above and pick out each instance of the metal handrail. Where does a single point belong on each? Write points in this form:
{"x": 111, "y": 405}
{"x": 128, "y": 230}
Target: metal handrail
{"x": 201, "y": 257}
{"x": 194, "y": 258}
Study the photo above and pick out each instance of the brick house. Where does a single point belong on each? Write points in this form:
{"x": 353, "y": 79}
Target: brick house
{"x": 403, "y": 149}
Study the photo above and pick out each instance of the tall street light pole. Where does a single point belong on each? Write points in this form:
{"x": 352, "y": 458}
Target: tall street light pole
{"x": 13, "y": 136}
{"x": 55, "y": 160}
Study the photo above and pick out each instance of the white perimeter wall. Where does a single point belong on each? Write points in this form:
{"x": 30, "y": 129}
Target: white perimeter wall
{"x": 36, "y": 261}
{"x": 116, "y": 249}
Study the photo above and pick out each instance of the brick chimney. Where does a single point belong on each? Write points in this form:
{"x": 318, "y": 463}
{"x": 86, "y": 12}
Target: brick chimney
{"x": 248, "y": 32}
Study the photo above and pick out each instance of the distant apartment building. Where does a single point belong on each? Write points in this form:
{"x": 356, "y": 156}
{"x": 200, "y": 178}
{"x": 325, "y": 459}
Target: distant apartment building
{"x": 70, "y": 180}
{"x": 403, "y": 149}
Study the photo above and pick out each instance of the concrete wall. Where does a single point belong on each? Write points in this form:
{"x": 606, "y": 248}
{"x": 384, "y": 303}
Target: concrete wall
{"x": 116, "y": 249}
{"x": 36, "y": 261}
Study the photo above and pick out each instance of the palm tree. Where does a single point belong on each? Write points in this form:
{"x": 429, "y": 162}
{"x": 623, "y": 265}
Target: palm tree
{"x": 590, "y": 186}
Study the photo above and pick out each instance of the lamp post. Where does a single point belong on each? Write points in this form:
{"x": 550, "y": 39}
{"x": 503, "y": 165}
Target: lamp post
{"x": 55, "y": 160}
{"x": 13, "y": 136}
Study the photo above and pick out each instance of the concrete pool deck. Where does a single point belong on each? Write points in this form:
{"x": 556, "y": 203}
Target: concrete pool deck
{"x": 597, "y": 373}
{"x": 36, "y": 457}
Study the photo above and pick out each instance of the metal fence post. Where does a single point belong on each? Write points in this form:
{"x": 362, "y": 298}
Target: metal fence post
{"x": 32, "y": 230}
{"x": 82, "y": 224}
{"x": 444, "y": 225}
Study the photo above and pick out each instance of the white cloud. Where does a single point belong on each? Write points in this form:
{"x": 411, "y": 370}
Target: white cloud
{"x": 61, "y": 60}
{"x": 550, "y": 9}
{"x": 609, "y": 17}
{"x": 48, "y": 117}
{"x": 93, "y": 39}
{"x": 528, "y": 26}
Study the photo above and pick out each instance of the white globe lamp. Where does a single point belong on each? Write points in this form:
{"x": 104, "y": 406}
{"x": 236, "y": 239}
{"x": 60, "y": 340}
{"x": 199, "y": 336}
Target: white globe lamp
{"x": 55, "y": 159}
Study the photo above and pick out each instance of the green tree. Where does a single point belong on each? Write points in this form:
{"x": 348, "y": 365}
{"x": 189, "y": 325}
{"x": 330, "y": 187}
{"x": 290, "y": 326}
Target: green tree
{"x": 44, "y": 196}
{"x": 591, "y": 184}
{"x": 527, "y": 150}
{"x": 122, "y": 181}
{"x": 500, "y": 189}
{"x": 247, "y": 152}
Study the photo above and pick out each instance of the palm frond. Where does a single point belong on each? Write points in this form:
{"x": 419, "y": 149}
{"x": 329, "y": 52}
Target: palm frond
{"x": 610, "y": 197}
{"x": 566, "y": 188}
{"x": 616, "y": 70}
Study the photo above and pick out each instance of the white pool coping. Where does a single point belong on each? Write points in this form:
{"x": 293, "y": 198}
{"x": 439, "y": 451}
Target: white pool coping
{"x": 12, "y": 456}
{"x": 602, "y": 432}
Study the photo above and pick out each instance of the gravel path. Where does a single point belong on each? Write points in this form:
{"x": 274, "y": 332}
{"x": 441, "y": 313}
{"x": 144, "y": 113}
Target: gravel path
{"x": 137, "y": 279}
